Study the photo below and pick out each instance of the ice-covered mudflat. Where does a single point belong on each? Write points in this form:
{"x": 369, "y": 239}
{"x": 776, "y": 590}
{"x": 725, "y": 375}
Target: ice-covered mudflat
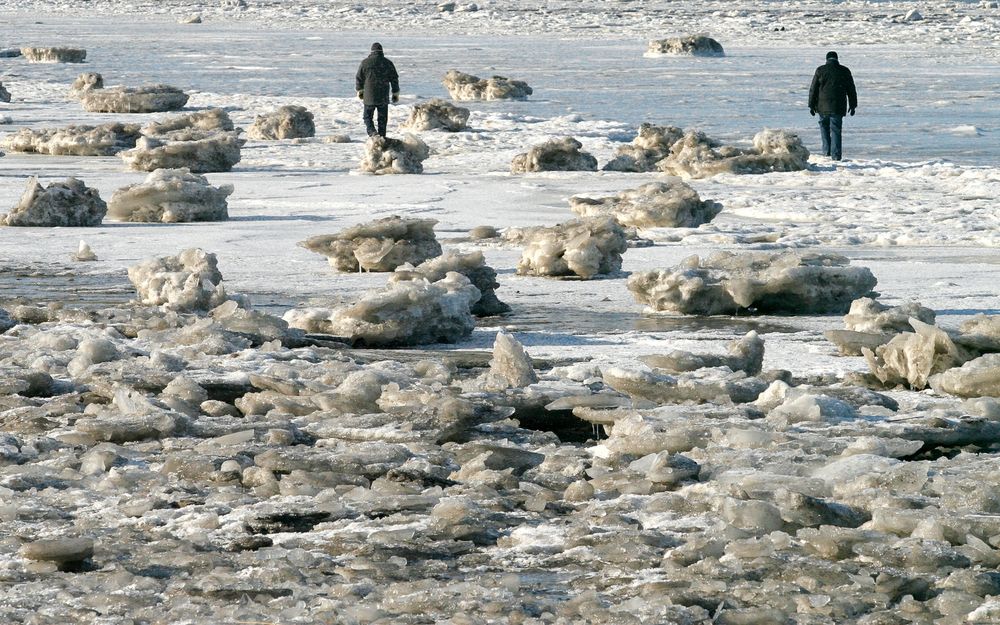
{"x": 209, "y": 423}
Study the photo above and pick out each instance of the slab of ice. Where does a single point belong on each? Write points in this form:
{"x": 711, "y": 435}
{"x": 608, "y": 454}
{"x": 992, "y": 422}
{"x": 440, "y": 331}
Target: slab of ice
{"x": 437, "y": 114}
{"x": 580, "y": 247}
{"x": 671, "y": 204}
{"x": 510, "y": 367}
{"x": 171, "y": 196}
{"x": 61, "y": 204}
{"x": 727, "y": 282}
{"x": 868, "y": 315}
{"x": 103, "y": 140}
{"x": 215, "y": 153}
{"x": 462, "y": 86}
{"x": 290, "y": 121}
{"x": 976, "y": 378}
{"x": 189, "y": 281}
{"x": 698, "y": 156}
{"x": 981, "y": 333}
{"x": 471, "y": 265}
{"x": 385, "y": 155}
{"x": 84, "y": 83}
{"x": 691, "y": 45}
{"x": 54, "y": 55}
{"x": 380, "y": 245}
{"x": 651, "y": 145}
{"x": 745, "y": 354}
{"x": 145, "y": 99}
{"x": 554, "y": 155}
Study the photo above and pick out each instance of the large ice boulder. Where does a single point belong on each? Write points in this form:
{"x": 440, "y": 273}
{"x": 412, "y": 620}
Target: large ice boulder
{"x": 285, "y": 122}
{"x": 651, "y": 145}
{"x": 671, "y": 204}
{"x": 380, "y": 245}
{"x": 170, "y": 196}
{"x": 554, "y": 155}
{"x": 54, "y": 55}
{"x": 61, "y": 204}
{"x": 189, "y": 126}
{"x": 727, "y": 283}
{"x": 103, "y": 140}
{"x": 385, "y": 155}
{"x": 692, "y": 45}
{"x": 698, "y": 156}
{"x": 473, "y": 266}
{"x": 580, "y": 247}
{"x": 4, "y": 94}
{"x": 977, "y": 378}
{"x": 462, "y": 86}
{"x": 187, "y": 282}
{"x": 437, "y": 114}
{"x": 145, "y": 99}
{"x": 84, "y": 83}
{"x": 406, "y": 312}
{"x": 213, "y": 153}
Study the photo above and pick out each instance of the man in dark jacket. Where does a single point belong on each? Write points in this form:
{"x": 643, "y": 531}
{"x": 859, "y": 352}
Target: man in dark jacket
{"x": 832, "y": 95}
{"x": 375, "y": 77}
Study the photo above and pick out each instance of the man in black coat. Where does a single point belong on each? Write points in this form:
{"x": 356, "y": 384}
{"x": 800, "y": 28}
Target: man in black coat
{"x": 832, "y": 95}
{"x": 375, "y": 77}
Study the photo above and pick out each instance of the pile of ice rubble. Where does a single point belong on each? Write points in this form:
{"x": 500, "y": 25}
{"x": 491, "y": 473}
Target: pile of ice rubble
{"x": 385, "y": 155}
{"x": 554, "y": 155}
{"x": 145, "y": 99}
{"x": 692, "y": 45}
{"x": 60, "y": 204}
{"x": 437, "y": 114}
{"x": 380, "y": 245}
{"x": 462, "y": 86}
{"x": 286, "y": 122}
{"x": 671, "y": 204}
{"x": 170, "y": 196}
{"x": 582, "y": 248}
{"x": 54, "y": 55}
{"x": 192, "y": 457}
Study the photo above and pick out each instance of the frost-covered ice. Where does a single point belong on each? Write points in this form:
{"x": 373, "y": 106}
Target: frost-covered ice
{"x": 60, "y": 204}
{"x": 188, "y": 281}
{"x": 285, "y": 122}
{"x": 727, "y": 283}
{"x": 694, "y": 45}
{"x": 671, "y": 204}
{"x": 562, "y": 154}
{"x": 103, "y": 140}
{"x": 84, "y": 83}
{"x": 581, "y": 247}
{"x": 206, "y": 153}
{"x": 54, "y": 55}
{"x": 170, "y": 196}
{"x": 145, "y": 99}
{"x": 380, "y": 245}
{"x": 698, "y": 156}
{"x": 387, "y": 155}
{"x": 437, "y": 114}
{"x": 465, "y": 87}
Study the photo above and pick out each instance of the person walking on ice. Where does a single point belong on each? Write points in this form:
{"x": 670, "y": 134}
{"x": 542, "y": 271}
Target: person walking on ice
{"x": 832, "y": 95}
{"x": 376, "y": 76}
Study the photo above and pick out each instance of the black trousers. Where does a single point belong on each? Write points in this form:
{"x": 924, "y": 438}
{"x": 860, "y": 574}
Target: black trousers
{"x": 383, "y": 118}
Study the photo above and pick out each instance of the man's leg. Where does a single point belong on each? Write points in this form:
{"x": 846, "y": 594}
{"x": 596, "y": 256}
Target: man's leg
{"x": 824, "y": 133}
{"x": 369, "y": 123}
{"x": 383, "y": 118}
{"x": 836, "y": 123}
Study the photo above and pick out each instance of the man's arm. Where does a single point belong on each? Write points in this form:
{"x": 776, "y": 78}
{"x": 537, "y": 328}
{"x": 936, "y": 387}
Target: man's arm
{"x": 359, "y": 79}
{"x": 393, "y": 78}
{"x": 852, "y": 93}
{"x": 814, "y": 91}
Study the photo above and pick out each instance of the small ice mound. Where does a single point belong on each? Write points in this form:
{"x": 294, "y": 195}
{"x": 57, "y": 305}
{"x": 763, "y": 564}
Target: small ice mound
{"x": 745, "y": 354}
{"x": 554, "y": 155}
{"x": 189, "y": 126}
{"x": 671, "y": 204}
{"x": 4, "y": 94}
{"x": 510, "y": 367}
{"x": 61, "y": 204}
{"x": 103, "y": 140}
{"x": 580, "y": 247}
{"x": 480, "y": 233}
{"x": 651, "y": 145}
{"x": 437, "y": 114}
{"x": 698, "y": 156}
{"x": 193, "y": 18}
{"x": 692, "y": 45}
{"x": 337, "y": 138}
{"x": 84, "y": 83}
{"x": 977, "y": 378}
{"x": 385, "y": 155}
{"x": 285, "y": 122}
{"x": 727, "y": 283}
{"x": 464, "y": 87}
{"x": 54, "y": 55}
{"x": 473, "y": 266}
{"x": 145, "y": 99}
{"x": 965, "y": 130}
{"x": 214, "y": 153}
{"x": 171, "y": 196}
{"x": 379, "y": 245}
{"x": 187, "y": 282}
{"x": 911, "y": 358}
{"x": 404, "y": 313}
{"x": 84, "y": 254}
{"x": 871, "y": 324}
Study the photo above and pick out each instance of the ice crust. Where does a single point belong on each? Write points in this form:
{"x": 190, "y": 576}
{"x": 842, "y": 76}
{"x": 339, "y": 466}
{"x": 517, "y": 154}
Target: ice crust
{"x": 380, "y": 245}
{"x": 437, "y": 114}
{"x": 103, "y": 140}
{"x": 171, "y": 196}
{"x": 473, "y": 266}
{"x": 693, "y": 45}
{"x": 54, "y": 55}
{"x": 206, "y": 153}
{"x": 581, "y": 247}
{"x": 554, "y": 155}
{"x": 145, "y": 99}
{"x": 188, "y": 281}
{"x": 671, "y": 204}
{"x": 61, "y": 204}
{"x": 386, "y": 155}
{"x": 286, "y": 122}
{"x": 727, "y": 283}
{"x": 463, "y": 87}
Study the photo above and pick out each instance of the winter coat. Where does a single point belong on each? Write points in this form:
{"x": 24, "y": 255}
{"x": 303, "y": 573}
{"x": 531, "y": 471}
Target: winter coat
{"x": 375, "y": 76}
{"x": 832, "y": 91}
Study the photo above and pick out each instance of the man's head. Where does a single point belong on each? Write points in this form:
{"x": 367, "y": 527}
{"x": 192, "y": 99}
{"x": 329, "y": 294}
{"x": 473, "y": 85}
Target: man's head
{"x": 377, "y": 47}
{"x": 830, "y": 56}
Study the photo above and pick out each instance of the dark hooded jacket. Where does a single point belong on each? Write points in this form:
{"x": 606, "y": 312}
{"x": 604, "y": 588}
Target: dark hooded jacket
{"x": 832, "y": 91}
{"x": 375, "y": 76}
